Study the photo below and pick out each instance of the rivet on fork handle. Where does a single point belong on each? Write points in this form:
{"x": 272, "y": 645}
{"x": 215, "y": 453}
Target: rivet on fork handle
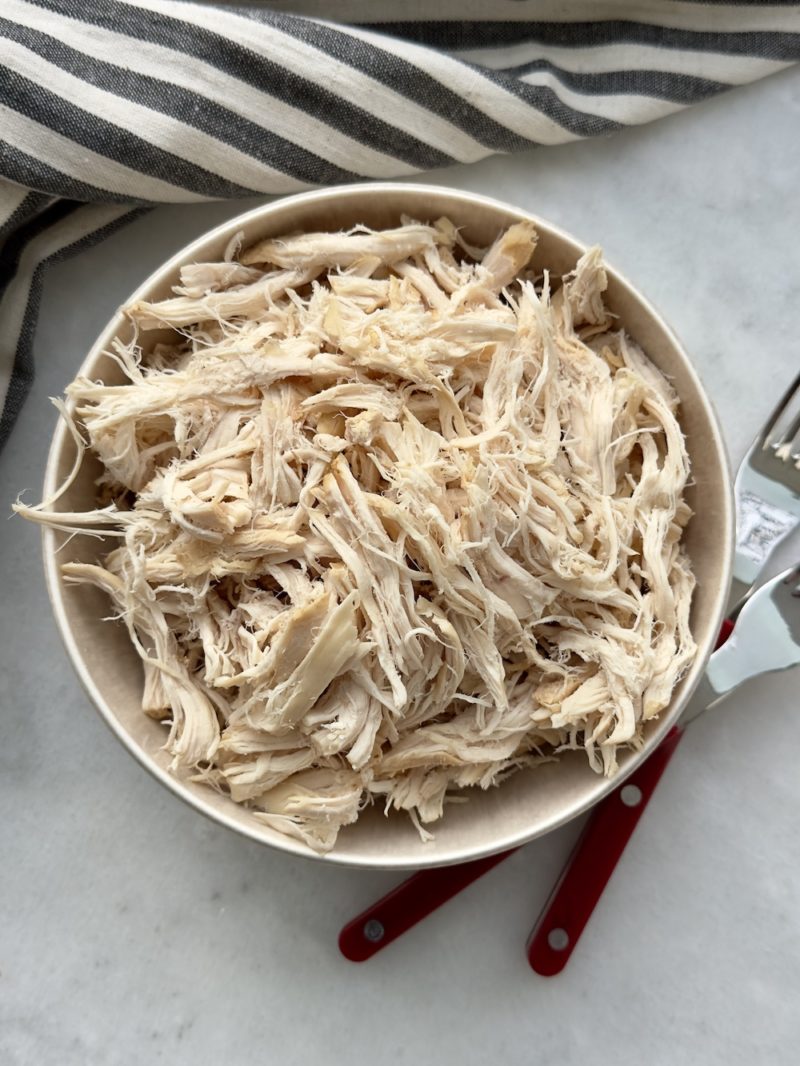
{"x": 592, "y": 862}
{"x": 412, "y": 900}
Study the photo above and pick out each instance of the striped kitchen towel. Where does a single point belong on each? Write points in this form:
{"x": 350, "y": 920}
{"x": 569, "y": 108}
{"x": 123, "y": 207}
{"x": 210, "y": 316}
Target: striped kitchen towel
{"x": 107, "y": 107}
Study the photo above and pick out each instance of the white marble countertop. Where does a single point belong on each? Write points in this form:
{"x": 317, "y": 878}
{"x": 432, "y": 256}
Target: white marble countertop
{"x": 133, "y": 931}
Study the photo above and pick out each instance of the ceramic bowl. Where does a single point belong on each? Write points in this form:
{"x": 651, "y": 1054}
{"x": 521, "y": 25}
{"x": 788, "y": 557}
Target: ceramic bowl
{"x": 533, "y": 801}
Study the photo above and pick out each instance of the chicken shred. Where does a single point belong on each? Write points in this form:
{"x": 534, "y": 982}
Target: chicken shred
{"x": 393, "y": 517}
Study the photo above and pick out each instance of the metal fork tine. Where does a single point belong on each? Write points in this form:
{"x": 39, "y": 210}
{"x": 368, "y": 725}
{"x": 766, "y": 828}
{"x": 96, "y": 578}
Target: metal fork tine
{"x": 783, "y": 403}
{"x": 793, "y": 578}
{"x": 783, "y": 447}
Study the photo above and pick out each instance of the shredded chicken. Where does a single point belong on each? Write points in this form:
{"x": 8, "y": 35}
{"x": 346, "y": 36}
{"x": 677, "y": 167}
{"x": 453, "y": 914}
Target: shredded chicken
{"x": 394, "y": 517}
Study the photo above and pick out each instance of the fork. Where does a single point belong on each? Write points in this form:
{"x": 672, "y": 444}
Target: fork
{"x": 766, "y": 639}
{"x": 767, "y": 491}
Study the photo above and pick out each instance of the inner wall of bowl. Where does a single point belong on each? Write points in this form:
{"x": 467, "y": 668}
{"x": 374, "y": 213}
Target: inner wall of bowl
{"x": 533, "y": 801}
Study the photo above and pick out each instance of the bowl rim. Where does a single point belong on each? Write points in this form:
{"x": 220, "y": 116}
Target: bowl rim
{"x": 602, "y": 786}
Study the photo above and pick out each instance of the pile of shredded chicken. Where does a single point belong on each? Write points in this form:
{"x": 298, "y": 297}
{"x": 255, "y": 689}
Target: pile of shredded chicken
{"x": 395, "y": 516}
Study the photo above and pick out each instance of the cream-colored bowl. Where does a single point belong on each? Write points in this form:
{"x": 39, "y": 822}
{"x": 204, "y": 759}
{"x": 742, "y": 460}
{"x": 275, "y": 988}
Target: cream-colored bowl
{"x": 533, "y": 801}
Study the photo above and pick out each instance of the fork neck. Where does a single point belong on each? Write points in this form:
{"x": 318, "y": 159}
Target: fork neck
{"x": 707, "y": 693}
{"x": 738, "y": 595}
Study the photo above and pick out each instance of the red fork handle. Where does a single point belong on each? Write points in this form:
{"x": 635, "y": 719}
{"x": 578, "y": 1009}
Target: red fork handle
{"x": 592, "y": 862}
{"x": 409, "y": 903}
{"x": 571, "y": 902}
{"x": 594, "y": 859}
